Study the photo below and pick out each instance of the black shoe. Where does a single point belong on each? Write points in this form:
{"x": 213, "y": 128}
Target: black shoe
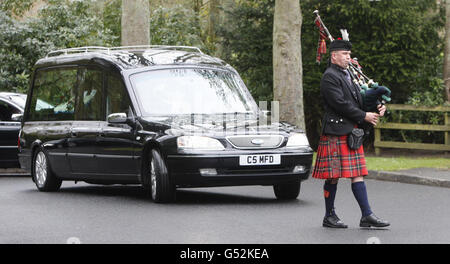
{"x": 372, "y": 220}
{"x": 333, "y": 221}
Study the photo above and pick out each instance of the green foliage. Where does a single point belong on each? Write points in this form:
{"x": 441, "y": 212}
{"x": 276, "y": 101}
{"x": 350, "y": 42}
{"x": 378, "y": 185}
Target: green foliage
{"x": 15, "y": 7}
{"x": 247, "y": 42}
{"x": 60, "y": 24}
{"x": 433, "y": 96}
{"x": 175, "y": 26}
{"x": 72, "y": 24}
{"x": 428, "y": 97}
{"x": 112, "y": 17}
{"x": 18, "y": 50}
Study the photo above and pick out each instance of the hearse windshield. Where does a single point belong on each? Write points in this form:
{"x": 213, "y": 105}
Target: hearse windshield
{"x": 189, "y": 91}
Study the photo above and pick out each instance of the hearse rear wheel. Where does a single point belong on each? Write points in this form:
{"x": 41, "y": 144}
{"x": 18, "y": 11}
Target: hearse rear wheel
{"x": 287, "y": 191}
{"x": 43, "y": 177}
{"x": 161, "y": 189}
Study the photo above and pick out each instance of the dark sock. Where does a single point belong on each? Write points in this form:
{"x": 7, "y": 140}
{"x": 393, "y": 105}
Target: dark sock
{"x": 360, "y": 193}
{"x": 329, "y": 191}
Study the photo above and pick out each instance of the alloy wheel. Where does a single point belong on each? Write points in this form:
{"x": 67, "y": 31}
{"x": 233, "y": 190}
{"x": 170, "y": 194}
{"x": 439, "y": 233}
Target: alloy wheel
{"x": 153, "y": 179}
{"x": 41, "y": 169}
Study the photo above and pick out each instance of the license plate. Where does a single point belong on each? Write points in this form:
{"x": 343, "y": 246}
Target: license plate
{"x": 252, "y": 160}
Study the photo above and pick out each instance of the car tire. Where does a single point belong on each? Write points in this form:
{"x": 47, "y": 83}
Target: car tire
{"x": 161, "y": 188}
{"x": 43, "y": 177}
{"x": 287, "y": 191}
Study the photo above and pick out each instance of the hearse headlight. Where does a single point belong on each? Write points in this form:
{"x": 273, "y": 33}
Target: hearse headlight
{"x": 199, "y": 142}
{"x": 297, "y": 140}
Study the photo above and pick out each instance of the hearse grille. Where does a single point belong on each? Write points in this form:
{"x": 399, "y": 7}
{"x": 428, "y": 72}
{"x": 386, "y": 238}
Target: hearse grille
{"x": 256, "y": 141}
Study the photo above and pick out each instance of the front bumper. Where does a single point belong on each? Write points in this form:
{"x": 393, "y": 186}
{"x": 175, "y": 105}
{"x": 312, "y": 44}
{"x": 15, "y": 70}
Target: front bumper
{"x": 184, "y": 170}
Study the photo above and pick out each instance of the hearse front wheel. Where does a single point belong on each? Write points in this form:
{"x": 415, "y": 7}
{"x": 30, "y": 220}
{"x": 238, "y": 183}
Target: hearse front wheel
{"x": 287, "y": 191}
{"x": 161, "y": 189}
{"x": 43, "y": 177}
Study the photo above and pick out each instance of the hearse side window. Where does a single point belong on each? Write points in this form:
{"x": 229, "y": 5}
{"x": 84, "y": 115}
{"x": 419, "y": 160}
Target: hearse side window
{"x": 117, "y": 100}
{"x": 89, "y": 93}
{"x": 53, "y": 95}
{"x": 6, "y": 111}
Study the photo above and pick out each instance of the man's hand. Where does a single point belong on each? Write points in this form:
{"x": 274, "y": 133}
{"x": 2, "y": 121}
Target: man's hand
{"x": 371, "y": 118}
{"x": 381, "y": 109}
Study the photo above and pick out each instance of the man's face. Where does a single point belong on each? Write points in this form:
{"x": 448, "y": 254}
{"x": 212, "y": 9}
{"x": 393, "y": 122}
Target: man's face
{"x": 341, "y": 58}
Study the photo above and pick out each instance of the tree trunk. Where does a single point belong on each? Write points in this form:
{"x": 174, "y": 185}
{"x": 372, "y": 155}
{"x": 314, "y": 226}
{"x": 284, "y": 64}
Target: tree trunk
{"x": 287, "y": 62}
{"x": 225, "y": 5}
{"x": 135, "y": 22}
{"x": 447, "y": 51}
{"x": 196, "y": 5}
{"x": 213, "y": 19}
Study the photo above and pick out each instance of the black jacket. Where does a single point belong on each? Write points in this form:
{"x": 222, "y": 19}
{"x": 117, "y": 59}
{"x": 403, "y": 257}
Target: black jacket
{"x": 342, "y": 102}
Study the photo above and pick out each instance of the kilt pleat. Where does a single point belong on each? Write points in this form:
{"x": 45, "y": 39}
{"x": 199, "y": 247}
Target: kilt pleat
{"x": 336, "y": 160}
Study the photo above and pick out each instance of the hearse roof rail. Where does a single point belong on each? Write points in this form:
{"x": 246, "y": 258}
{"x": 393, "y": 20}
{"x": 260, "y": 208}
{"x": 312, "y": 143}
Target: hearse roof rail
{"x": 109, "y": 50}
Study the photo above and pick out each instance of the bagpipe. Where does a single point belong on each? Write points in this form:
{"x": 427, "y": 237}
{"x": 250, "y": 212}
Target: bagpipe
{"x": 372, "y": 93}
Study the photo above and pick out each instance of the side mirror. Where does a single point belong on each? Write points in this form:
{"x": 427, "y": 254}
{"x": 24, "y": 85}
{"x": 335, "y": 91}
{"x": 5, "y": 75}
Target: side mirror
{"x": 17, "y": 117}
{"x": 117, "y": 118}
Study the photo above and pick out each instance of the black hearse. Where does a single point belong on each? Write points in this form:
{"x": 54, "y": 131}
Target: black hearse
{"x": 165, "y": 117}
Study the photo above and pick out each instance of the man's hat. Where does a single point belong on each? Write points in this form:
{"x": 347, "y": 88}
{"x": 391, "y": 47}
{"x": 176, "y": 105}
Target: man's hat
{"x": 339, "y": 44}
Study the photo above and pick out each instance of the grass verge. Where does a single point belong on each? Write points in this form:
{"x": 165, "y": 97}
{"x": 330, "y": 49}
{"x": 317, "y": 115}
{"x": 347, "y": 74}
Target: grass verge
{"x": 404, "y": 163}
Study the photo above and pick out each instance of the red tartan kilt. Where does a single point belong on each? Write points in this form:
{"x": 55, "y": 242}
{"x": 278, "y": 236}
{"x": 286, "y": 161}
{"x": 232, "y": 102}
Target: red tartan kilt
{"x": 336, "y": 160}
